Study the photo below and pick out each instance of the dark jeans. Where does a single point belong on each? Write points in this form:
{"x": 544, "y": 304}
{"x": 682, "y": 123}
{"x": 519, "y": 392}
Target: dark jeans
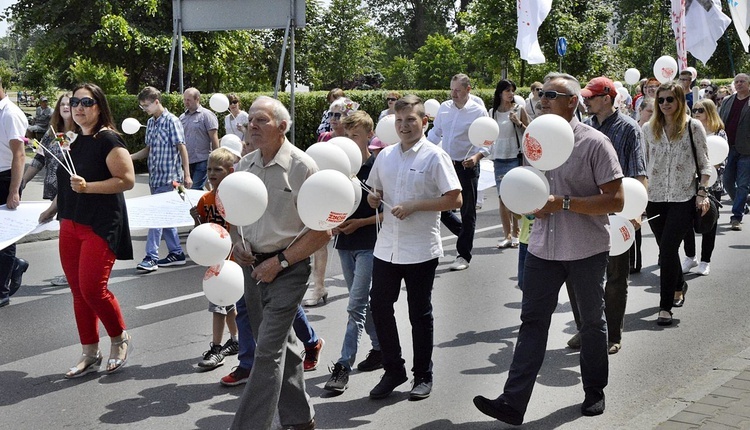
{"x": 386, "y": 286}
{"x": 737, "y": 181}
{"x": 198, "y": 173}
{"x": 615, "y": 296}
{"x": 708, "y": 242}
{"x": 464, "y": 227}
{"x": 7, "y": 255}
{"x": 669, "y": 228}
{"x": 246, "y": 354}
{"x": 541, "y": 286}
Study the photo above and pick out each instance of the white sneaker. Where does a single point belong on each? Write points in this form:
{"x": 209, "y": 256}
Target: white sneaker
{"x": 459, "y": 264}
{"x": 514, "y": 242}
{"x": 504, "y": 243}
{"x": 704, "y": 268}
{"x": 688, "y": 263}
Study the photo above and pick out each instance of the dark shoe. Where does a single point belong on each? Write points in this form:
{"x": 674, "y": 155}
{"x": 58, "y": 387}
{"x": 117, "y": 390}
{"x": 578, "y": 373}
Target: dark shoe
{"x": 238, "y": 377}
{"x": 19, "y": 268}
{"x": 231, "y": 347}
{"x": 499, "y": 410}
{"x": 421, "y": 389}
{"x": 387, "y": 384}
{"x": 665, "y": 318}
{"x": 681, "y": 301}
{"x": 303, "y": 426}
{"x": 312, "y": 355}
{"x": 172, "y": 259}
{"x": 593, "y": 406}
{"x": 339, "y": 379}
{"x": 736, "y": 225}
{"x": 373, "y": 361}
{"x": 575, "y": 341}
{"x": 212, "y": 358}
{"x": 614, "y": 347}
{"x": 4, "y": 302}
{"x": 147, "y": 265}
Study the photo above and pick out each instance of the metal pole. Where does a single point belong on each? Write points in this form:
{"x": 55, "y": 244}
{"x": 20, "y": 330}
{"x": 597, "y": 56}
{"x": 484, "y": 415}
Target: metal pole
{"x": 176, "y": 11}
{"x": 281, "y": 60}
{"x": 182, "y": 70}
{"x": 292, "y": 80}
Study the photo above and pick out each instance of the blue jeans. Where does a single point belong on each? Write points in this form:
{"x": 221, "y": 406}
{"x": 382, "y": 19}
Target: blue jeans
{"x": 198, "y": 174}
{"x": 303, "y": 330}
{"x": 8, "y": 254}
{"x": 357, "y": 267}
{"x": 541, "y": 286}
{"x": 155, "y": 234}
{"x": 246, "y": 355}
{"x": 737, "y": 181}
{"x": 464, "y": 227}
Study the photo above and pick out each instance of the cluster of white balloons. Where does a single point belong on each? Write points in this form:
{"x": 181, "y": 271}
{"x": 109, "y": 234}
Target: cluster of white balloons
{"x": 218, "y": 102}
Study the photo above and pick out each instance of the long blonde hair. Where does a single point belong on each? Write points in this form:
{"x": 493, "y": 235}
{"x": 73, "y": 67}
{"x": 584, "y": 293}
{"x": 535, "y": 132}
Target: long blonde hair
{"x": 713, "y": 121}
{"x": 658, "y": 121}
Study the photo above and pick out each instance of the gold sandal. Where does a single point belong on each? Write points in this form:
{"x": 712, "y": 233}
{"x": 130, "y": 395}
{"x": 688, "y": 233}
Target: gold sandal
{"x": 92, "y": 363}
{"x": 116, "y": 362}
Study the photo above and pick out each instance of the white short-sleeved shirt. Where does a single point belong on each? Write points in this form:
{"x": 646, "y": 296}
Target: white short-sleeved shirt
{"x": 13, "y": 125}
{"x": 423, "y": 172}
{"x": 452, "y": 125}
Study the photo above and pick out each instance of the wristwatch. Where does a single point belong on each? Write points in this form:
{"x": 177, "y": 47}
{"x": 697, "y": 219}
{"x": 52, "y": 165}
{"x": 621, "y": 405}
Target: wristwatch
{"x": 566, "y": 203}
{"x": 282, "y": 260}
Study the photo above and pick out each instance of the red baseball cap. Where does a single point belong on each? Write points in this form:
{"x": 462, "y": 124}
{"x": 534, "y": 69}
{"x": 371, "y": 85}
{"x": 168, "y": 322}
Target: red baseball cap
{"x": 599, "y": 87}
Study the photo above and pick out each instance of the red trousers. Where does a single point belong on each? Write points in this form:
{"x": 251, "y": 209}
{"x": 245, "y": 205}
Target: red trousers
{"x": 87, "y": 262}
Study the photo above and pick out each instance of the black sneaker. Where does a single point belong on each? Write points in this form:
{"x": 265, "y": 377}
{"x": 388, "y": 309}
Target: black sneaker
{"x": 373, "y": 361}
{"x": 172, "y": 259}
{"x": 387, "y": 384}
{"x": 339, "y": 380}
{"x": 499, "y": 410}
{"x": 212, "y": 358}
{"x": 231, "y": 347}
{"x": 593, "y": 405}
{"x": 19, "y": 267}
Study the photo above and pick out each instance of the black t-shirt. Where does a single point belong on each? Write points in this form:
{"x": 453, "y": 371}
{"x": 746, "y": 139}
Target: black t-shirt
{"x": 363, "y": 237}
{"x": 105, "y": 213}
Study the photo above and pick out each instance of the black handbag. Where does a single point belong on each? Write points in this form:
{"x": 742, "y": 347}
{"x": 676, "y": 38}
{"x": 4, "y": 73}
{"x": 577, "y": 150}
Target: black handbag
{"x": 703, "y": 223}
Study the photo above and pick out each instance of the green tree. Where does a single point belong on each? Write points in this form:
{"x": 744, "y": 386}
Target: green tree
{"x": 407, "y": 24}
{"x": 400, "y": 73}
{"x": 436, "y": 61}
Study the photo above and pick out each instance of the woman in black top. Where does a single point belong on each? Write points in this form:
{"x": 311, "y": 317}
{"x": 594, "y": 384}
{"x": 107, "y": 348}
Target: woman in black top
{"x": 94, "y": 226}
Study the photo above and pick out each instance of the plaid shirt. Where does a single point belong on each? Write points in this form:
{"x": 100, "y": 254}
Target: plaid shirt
{"x": 163, "y": 134}
{"x": 626, "y": 137}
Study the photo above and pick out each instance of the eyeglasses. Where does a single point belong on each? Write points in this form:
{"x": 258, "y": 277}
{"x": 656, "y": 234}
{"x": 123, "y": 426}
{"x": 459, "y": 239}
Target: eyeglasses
{"x": 699, "y": 110}
{"x": 336, "y": 115}
{"x": 234, "y": 102}
{"x": 669, "y": 99}
{"x": 143, "y": 107}
{"x": 85, "y": 101}
{"x": 553, "y": 94}
{"x": 391, "y": 99}
{"x": 593, "y": 97}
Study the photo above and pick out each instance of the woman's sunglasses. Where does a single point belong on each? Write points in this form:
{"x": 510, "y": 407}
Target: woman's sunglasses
{"x": 699, "y": 110}
{"x": 669, "y": 99}
{"x": 85, "y": 101}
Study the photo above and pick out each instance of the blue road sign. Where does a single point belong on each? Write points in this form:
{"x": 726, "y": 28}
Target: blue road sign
{"x": 562, "y": 46}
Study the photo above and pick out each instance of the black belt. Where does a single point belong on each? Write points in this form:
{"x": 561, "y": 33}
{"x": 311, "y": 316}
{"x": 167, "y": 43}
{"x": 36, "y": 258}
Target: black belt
{"x": 261, "y": 257}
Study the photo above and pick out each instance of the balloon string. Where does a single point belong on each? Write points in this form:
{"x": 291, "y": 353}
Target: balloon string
{"x": 371, "y": 192}
{"x": 467, "y": 153}
{"x": 655, "y": 216}
{"x": 64, "y": 165}
{"x": 242, "y": 235}
{"x": 70, "y": 160}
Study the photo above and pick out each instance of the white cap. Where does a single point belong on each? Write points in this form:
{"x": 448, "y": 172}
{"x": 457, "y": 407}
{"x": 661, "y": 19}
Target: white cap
{"x": 232, "y": 143}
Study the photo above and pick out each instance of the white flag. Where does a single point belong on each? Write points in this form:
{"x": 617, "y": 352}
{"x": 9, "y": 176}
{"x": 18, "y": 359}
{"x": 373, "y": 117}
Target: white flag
{"x": 531, "y": 15}
{"x": 741, "y": 18}
{"x": 698, "y": 25}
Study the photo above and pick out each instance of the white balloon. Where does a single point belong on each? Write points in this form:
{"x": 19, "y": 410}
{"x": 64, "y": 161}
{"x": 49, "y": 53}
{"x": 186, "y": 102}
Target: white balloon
{"x": 713, "y": 177}
{"x": 621, "y": 234}
{"x": 618, "y": 84}
{"x": 718, "y": 149}
{"x": 524, "y": 190}
{"x": 632, "y": 76}
{"x": 623, "y": 92}
{"x": 483, "y": 132}
{"x": 232, "y": 143}
{"x": 431, "y": 107}
{"x": 520, "y": 101}
{"x": 131, "y": 125}
{"x": 241, "y": 198}
{"x": 636, "y": 199}
{"x": 693, "y": 72}
{"x": 386, "y": 130}
{"x": 548, "y": 142}
{"x": 219, "y": 102}
{"x": 665, "y": 69}
{"x": 357, "y": 194}
{"x": 208, "y": 244}
{"x": 325, "y": 199}
{"x": 328, "y": 156}
{"x": 224, "y": 283}
{"x": 352, "y": 151}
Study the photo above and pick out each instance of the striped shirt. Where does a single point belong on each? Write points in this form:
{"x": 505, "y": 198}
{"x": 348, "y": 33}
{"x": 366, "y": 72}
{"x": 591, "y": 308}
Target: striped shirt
{"x": 626, "y": 137}
{"x": 163, "y": 134}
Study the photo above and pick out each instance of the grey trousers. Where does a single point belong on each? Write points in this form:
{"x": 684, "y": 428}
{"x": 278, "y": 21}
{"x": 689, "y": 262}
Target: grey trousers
{"x": 277, "y": 378}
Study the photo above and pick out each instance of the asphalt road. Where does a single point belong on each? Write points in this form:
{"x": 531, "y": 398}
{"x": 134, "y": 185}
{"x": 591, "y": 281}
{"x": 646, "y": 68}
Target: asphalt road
{"x": 476, "y": 322}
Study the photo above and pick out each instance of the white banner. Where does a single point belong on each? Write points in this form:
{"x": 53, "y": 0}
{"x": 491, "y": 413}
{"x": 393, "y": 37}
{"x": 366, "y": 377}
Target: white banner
{"x": 531, "y": 15}
{"x": 697, "y": 25}
{"x": 741, "y": 18}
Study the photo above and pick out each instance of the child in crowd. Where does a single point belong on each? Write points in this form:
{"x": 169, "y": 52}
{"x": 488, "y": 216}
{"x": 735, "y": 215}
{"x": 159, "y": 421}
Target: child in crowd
{"x": 220, "y": 164}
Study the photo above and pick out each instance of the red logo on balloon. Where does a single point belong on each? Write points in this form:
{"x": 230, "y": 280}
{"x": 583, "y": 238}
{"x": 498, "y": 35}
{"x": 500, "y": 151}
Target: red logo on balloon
{"x": 212, "y": 271}
{"x": 625, "y": 233}
{"x": 532, "y": 148}
{"x": 337, "y": 217}
{"x": 221, "y": 231}
{"x": 667, "y": 72}
{"x": 488, "y": 143}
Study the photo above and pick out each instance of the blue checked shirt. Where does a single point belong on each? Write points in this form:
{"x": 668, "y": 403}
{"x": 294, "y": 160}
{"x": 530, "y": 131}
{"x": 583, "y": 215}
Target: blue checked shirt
{"x": 163, "y": 134}
{"x": 626, "y": 137}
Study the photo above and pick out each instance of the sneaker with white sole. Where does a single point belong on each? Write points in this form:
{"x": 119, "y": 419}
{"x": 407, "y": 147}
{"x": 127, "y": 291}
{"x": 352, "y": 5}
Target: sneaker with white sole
{"x": 703, "y": 268}
{"x": 172, "y": 259}
{"x": 147, "y": 265}
{"x": 688, "y": 263}
{"x": 231, "y": 347}
{"x": 459, "y": 263}
{"x": 59, "y": 280}
{"x": 238, "y": 376}
{"x": 212, "y": 358}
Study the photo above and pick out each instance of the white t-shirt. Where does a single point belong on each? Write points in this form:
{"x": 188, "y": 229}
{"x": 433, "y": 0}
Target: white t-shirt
{"x": 507, "y": 144}
{"x": 13, "y": 125}
{"x": 230, "y": 123}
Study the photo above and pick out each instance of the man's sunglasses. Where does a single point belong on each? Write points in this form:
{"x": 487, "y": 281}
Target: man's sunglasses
{"x": 669, "y": 99}
{"x": 553, "y": 94}
{"x": 85, "y": 101}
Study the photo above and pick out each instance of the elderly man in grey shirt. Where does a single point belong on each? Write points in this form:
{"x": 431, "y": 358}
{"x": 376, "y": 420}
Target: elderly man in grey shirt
{"x": 201, "y": 135}
{"x": 586, "y": 188}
